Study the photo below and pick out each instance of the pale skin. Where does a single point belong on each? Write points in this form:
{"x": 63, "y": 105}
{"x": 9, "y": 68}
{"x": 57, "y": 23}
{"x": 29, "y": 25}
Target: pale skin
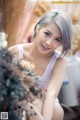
{"x": 39, "y": 52}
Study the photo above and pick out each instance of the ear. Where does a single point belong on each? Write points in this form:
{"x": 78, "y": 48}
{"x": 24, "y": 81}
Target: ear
{"x": 37, "y": 28}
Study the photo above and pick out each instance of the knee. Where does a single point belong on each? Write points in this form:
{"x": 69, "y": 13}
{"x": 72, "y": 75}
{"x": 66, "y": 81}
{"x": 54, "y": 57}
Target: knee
{"x": 58, "y": 112}
{"x": 61, "y": 112}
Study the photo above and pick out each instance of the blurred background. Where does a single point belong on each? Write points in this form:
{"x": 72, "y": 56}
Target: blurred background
{"x": 17, "y": 20}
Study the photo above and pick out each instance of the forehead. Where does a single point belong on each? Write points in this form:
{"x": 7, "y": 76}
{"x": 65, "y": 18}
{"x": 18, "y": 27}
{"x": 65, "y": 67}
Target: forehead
{"x": 53, "y": 28}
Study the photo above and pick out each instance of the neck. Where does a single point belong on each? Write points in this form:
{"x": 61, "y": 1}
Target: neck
{"x": 34, "y": 52}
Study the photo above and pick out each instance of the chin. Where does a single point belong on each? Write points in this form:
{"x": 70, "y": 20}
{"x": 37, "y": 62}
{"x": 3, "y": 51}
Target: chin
{"x": 44, "y": 52}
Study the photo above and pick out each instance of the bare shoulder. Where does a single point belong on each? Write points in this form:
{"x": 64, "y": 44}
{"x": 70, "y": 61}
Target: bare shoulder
{"x": 13, "y": 50}
{"x": 61, "y": 64}
{"x": 62, "y": 61}
{"x": 27, "y": 46}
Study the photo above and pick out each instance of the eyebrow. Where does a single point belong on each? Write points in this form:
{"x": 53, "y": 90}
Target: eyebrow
{"x": 59, "y": 38}
{"x": 49, "y": 32}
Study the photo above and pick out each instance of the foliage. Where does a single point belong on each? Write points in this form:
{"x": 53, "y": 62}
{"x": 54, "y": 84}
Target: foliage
{"x": 16, "y": 84}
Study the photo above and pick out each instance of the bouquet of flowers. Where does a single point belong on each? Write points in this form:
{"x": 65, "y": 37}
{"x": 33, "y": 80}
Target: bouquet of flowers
{"x": 18, "y": 87}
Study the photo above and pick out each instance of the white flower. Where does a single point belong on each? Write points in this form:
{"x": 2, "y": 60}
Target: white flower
{"x": 27, "y": 64}
{"x": 3, "y": 41}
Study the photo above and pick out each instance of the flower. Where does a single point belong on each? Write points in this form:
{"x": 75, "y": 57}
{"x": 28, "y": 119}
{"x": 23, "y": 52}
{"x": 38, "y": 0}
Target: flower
{"x": 3, "y": 41}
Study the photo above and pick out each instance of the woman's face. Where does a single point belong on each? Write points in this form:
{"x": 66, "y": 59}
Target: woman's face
{"x": 48, "y": 39}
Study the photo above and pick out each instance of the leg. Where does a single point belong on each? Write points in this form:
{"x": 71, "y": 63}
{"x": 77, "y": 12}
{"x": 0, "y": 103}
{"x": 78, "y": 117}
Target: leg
{"x": 58, "y": 112}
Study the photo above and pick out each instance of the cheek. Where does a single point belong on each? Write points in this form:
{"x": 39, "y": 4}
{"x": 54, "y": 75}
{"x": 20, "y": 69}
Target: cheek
{"x": 42, "y": 38}
{"x": 55, "y": 46}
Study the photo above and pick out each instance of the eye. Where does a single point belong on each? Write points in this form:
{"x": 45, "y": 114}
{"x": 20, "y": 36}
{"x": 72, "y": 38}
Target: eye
{"x": 47, "y": 34}
{"x": 58, "y": 40}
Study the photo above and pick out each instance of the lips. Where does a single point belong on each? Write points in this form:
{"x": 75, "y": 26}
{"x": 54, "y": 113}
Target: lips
{"x": 45, "y": 47}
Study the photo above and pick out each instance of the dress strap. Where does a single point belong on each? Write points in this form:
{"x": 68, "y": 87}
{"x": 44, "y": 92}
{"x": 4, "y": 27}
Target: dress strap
{"x": 49, "y": 67}
{"x": 52, "y": 61}
{"x": 20, "y": 49}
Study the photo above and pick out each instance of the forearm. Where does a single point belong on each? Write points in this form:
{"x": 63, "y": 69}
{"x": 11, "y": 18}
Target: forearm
{"x": 47, "y": 111}
{"x": 48, "y": 108}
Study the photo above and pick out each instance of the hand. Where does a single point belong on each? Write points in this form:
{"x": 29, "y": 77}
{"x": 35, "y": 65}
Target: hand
{"x": 35, "y": 111}
{"x": 31, "y": 108}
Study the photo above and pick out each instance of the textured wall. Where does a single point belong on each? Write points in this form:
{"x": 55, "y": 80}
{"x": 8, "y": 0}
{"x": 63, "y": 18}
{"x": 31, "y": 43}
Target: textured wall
{"x": 11, "y": 11}
{"x": 19, "y": 16}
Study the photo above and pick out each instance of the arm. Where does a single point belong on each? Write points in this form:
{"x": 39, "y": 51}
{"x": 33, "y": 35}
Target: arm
{"x": 52, "y": 91}
{"x": 54, "y": 88}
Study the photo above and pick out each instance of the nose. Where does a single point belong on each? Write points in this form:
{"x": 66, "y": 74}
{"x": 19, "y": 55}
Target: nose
{"x": 48, "y": 42}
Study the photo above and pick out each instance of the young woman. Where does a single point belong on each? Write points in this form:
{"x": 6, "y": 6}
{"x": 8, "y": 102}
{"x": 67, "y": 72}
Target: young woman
{"x": 53, "y": 30}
